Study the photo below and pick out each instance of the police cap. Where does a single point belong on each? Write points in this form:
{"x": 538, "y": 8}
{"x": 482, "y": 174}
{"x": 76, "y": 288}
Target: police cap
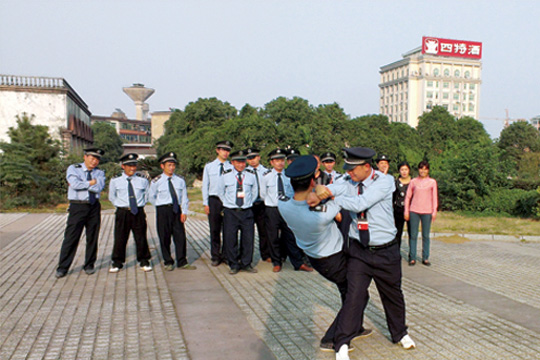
{"x": 382, "y": 157}
{"x": 129, "y": 159}
{"x": 328, "y": 156}
{"x": 170, "y": 156}
{"x": 98, "y": 153}
{"x": 357, "y": 156}
{"x": 302, "y": 168}
{"x": 277, "y": 154}
{"x": 292, "y": 153}
{"x": 239, "y": 155}
{"x": 225, "y": 144}
{"x": 252, "y": 152}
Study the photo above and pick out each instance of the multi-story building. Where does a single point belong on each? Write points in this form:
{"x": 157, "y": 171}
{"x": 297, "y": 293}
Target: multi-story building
{"x": 535, "y": 121}
{"x": 441, "y": 72}
{"x": 52, "y": 101}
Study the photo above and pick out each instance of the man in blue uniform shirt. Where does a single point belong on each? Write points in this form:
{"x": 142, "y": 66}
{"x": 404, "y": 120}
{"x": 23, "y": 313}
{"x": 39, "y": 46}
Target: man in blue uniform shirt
{"x": 212, "y": 204}
{"x": 254, "y": 162}
{"x": 275, "y": 185}
{"x": 317, "y": 234}
{"x": 85, "y": 183}
{"x": 128, "y": 192}
{"x": 237, "y": 190}
{"x": 372, "y": 248}
{"x": 168, "y": 193}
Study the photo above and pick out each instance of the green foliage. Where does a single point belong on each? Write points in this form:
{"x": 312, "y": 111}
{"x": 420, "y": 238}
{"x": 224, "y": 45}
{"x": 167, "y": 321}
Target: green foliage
{"x": 106, "y": 138}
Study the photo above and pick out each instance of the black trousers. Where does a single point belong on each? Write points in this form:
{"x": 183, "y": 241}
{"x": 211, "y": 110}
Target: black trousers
{"x": 215, "y": 219}
{"x": 81, "y": 216}
{"x": 124, "y": 223}
{"x": 260, "y": 220}
{"x": 333, "y": 268}
{"x": 384, "y": 267}
{"x": 280, "y": 237}
{"x": 169, "y": 224}
{"x": 234, "y": 221}
{"x": 345, "y": 225}
{"x": 399, "y": 220}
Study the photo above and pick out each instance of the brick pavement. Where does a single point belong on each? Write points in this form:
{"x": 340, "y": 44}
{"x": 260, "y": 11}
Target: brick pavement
{"x": 132, "y": 315}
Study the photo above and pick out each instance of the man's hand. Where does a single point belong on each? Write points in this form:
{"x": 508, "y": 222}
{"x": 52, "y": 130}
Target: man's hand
{"x": 323, "y": 192}
{"x": 183, "y": 218}
{"x": 313, "y": 199}
{"x": 92, "y": 182}
{"x": 338, "y": 217}
{"x": 207, "y": 210}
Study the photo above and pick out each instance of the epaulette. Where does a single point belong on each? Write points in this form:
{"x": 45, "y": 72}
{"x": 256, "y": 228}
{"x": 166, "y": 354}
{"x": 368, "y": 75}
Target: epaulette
{"x": 267, "y": 172}
{"x": 338, "y": 176}
{"x": 347, "y": 178}
{"x": 227, "y": 171}
{"x": 77, "y": 165}
{"x": 156, "y": 178}
{"x": 251, "y": 171}
{"x": 375, "y": 177}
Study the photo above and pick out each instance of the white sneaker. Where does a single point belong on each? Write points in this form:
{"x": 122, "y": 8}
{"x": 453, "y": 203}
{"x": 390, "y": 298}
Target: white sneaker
{"x": 114, "y": 269}
{"x": 146, "y": 268}
{"x": 407, "y": 342}
{"x": 343, "y": 353}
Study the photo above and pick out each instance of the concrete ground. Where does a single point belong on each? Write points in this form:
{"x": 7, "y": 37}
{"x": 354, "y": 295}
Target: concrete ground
{"x": 479, "y": 300}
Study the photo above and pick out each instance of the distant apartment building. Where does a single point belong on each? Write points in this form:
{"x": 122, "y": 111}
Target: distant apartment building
{"x": 52, "y": 101}
{"x": 441, "y": 72}
{"x": 159, "y": 118}
{"x": 535, "y": 121}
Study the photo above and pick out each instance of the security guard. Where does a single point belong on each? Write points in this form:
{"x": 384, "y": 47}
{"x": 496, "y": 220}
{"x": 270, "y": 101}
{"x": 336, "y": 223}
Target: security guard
{"x": 383, "y": 163}
{"x": 168, "y": 193}
{"x": 372, "y": 248}
{"x": 129, "y": 193}
{"x": 328, "y": 160}
{"x": 237, "y": 190}
{"x": 254, "y": 164}
{"x": 86, "y": 182}
{"x": 212, "y": 204}
{"x": 321, "y": 178}
{"x": 317, "y": 234}
{"x": 292, "y": 154}
{"x": 274, "y": 186}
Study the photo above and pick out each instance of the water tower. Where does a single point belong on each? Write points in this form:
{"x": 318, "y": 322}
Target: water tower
{"x": 139, "y": 94}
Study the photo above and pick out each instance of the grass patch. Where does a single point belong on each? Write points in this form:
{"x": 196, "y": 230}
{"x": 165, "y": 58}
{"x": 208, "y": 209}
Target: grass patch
{"x": 449, "y": 222}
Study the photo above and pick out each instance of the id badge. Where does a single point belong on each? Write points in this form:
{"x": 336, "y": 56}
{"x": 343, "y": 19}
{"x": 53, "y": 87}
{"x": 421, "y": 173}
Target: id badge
{"x": 240, "y": 194}
{"x": 362, "y": 224}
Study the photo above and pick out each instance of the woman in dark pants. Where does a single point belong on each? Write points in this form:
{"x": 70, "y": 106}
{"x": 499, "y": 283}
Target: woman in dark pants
{"x": 402, "y": 183}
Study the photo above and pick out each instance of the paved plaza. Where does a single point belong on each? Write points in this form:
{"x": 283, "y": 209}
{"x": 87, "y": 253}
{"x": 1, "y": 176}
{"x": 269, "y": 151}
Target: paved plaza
{"x": 479, "y": 300}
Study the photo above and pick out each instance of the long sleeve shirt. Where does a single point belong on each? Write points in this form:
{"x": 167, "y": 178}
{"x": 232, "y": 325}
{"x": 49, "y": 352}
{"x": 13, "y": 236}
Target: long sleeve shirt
{"x": 422, "y": 196}
{"x": 210, "y": 180}
{"x": 269, "y": 187}
{"x": 79, "y": 186}
{"x": 119, "y": 190}
{"x": 376, "y": 199}
{"x": 259, "y": 172}
{"x": 228, "y": 186}
{"x": 160, "y": 194}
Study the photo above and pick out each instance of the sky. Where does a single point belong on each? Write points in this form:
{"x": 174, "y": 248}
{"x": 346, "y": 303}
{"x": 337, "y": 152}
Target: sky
{"x": 250, "y": 51}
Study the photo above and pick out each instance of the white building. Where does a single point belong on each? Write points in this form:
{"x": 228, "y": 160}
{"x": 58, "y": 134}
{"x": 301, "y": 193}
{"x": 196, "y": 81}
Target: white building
{"x": 441, "y": 72}
{"x": 52, "y": 101}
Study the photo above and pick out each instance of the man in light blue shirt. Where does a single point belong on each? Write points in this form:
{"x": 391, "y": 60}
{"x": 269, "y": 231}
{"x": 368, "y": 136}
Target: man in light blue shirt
{"x": 128, "y": 192}
{"x": 237, "y": 190}
{"x": 168, "y": 193}
{"x": 85, "y": 184}
{"x": 212, "y": 204}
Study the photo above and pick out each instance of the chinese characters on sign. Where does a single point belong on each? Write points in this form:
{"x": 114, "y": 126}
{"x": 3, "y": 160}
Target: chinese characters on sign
{"x": 447, "y": 47}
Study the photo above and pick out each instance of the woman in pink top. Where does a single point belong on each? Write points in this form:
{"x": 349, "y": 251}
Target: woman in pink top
{"x": 421, "y": 204}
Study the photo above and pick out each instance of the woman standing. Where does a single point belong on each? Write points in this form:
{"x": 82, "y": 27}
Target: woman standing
{"x": 402, "y": 183}
{"x": 421, "y": 204}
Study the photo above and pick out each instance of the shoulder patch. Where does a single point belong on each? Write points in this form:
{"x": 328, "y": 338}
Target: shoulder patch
{"x": 77, "y": 165}
{"x": 339, "y": 176}
{"x": 156, "y": 178}
{"x": 117, "y": 175}
{"x": 267, "y": 172}
{"x": 250, "y": 171}
{"x": 227, "y": 171}
{"x": 347, "y": 178}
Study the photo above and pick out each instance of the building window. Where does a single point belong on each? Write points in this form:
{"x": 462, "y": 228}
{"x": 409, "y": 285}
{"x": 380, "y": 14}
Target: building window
{"x": 436, "y": 72}
{"x": 471, "y": 107}
{"x": 429, "y": 95}
{"x": 467, "y": 74}
{"x": 456, "y": 96}
{"x": 456, "y": 107}
{"x": 436, "y": 84}
{"x": 445, "y": 106}
{"x": 471, "y": 86}
{"x": 471, "y": 97}
{"x": 456, "y": 85}
{"x": 446, "y": 72}
{"x": 456, "y": 73}
{"x": 464, "y": 96}
{"x": 430, "y": 84}
{"x": 446, "y": 85}
{"x": 445, "y": 95}
{"x": 465, "y": 86}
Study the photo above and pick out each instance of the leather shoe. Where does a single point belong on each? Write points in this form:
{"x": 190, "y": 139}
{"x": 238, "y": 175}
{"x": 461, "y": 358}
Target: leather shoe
{"x": 426, "y": 262}
{"x": 215, "y": 262}
{"x": 268, "y": 260}
{"x": 304, "y": 267}
{"x": 250, "y": 269}
{"x": 90, "y": 271}
{"x": 233, "y": 271}
{"x": 277, "y": 268}
{"x": 60, "y": 274}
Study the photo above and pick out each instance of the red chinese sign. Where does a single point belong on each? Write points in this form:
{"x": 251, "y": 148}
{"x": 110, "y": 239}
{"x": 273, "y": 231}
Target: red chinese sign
{"x": 455, "y": 48}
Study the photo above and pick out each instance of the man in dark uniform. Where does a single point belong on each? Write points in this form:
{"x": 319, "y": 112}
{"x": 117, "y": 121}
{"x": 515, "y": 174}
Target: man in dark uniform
{"x": 321, "y": 178}
{"x": 129, "y": 193}
{"x": 168, "y": 193}
{"x": 274, "y": 186}
{"x": 237, "y": 190}
{"x": 254, "y": 161}
{"x": 86, "y": 182}
{"x": 212, "y": 204}
{"x": 372, "y": 248}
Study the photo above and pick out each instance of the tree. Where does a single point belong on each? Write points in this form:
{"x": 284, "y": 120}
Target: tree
{"x": 519, "y": 138}
{"x": 106, "y": 138}
{"x": 436, "y": 129}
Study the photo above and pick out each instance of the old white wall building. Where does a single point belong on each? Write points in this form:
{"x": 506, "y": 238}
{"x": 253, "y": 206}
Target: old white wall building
{"x": 52, "y": 101}
{"x": 441, "y": 72}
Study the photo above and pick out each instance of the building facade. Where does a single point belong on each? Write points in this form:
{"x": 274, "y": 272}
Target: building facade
{"x": 441, "y": 72}
{"x": 52, "y": 101}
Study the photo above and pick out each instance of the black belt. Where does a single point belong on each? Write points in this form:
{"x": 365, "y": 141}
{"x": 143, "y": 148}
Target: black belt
{"x": 377, "y": 247}
{"x": 238, "y": 209}
{"x": 82, "y": 201}
{"x": 129, "y": 209}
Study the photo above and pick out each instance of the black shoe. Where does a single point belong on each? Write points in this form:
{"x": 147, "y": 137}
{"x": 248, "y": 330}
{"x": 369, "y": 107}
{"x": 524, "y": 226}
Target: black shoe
{"x": 362, "y": 334}
{"x": 216, "y": 262}
{"x": 233, "y": 271}
{"x": 329, "y": 346}
{"x": 60, "y": 274}
{"x": 250, "y": 269}
{"x": 90, "y": 271}
{"x": 426, "y": 262}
